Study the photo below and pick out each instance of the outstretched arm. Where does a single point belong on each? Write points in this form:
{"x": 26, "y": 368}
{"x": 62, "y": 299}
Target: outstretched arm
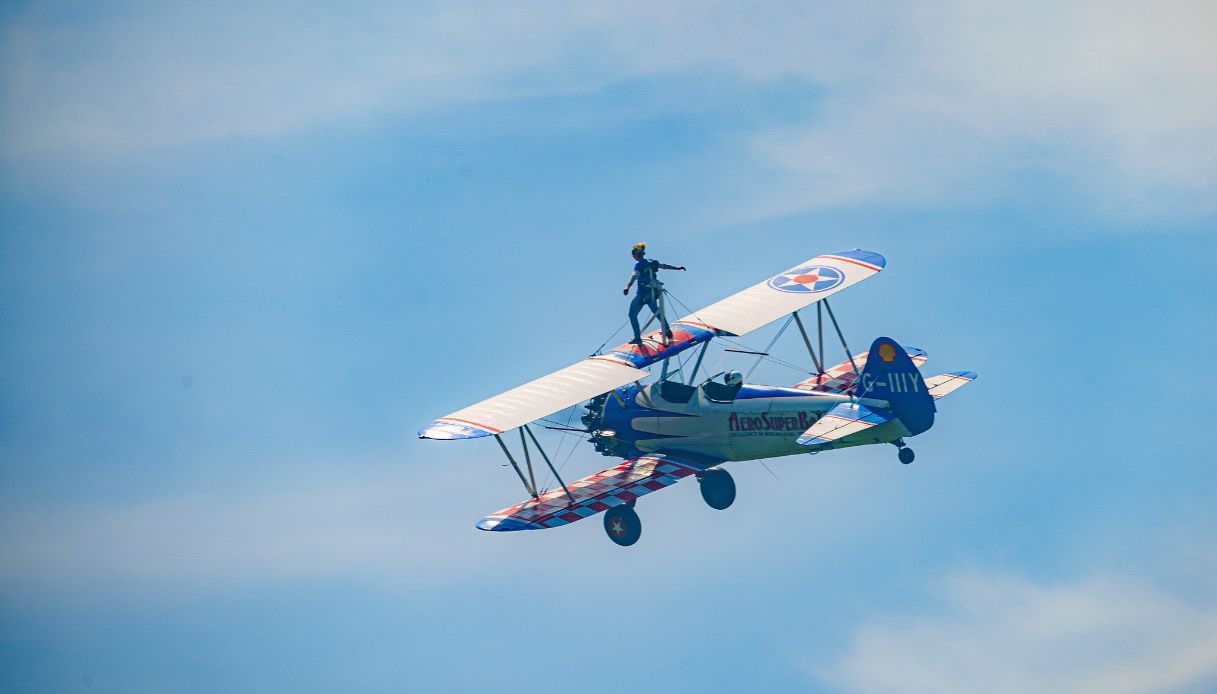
{"x": 665, "y": 266}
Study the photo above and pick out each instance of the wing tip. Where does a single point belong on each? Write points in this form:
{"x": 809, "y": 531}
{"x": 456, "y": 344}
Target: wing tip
{"x": 444, "y": 430}
{"x": 876, "y": 261}
{"x": 502, "y": 524}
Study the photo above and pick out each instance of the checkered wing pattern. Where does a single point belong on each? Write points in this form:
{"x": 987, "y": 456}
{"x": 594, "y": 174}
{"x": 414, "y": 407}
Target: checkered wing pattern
{"x": 593, "y": 494}
{"x": 840, "y": 378}
{"x": 841, "y": 421}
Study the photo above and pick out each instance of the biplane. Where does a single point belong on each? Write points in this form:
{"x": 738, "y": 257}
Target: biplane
{"x": 673, "y": 428}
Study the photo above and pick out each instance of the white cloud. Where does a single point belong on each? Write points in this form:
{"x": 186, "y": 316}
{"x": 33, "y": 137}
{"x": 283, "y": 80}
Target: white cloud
{"x": 163, "y": 74}
{"x": 395, "y": 531}
{"x": 1121, "y": 98}
{"x": 398, "y": 530}
{"x": 920, "y": 105}
{"x": 999, "y": 633}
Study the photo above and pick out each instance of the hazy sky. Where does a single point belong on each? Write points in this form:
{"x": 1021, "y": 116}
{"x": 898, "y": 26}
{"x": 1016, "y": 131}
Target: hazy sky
{"x": 248, "y": 249}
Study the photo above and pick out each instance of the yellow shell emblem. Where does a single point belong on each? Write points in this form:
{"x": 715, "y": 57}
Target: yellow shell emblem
{"x": 886, "y": 352}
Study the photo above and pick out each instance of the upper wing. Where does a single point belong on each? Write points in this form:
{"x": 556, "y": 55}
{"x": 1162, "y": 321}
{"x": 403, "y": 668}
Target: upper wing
{"x": 533, "y": 400}
{"x": 840, "y": 378}
{"x": 593, "y": 494}
{"x": 945, "y": 384}
{"x": 790, "y": 291}
{"x": 797, "y": 288}
{"x": 841, "y": 421}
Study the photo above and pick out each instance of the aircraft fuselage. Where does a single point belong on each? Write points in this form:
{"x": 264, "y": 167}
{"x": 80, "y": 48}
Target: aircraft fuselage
{"x": 749, "y": 423}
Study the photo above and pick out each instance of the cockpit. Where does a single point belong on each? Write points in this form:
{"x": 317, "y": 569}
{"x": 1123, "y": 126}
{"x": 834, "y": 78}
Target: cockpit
{"x": 676, "y": 392}
{"x": 725, "y": 391}
{"x": 722, "y": 388}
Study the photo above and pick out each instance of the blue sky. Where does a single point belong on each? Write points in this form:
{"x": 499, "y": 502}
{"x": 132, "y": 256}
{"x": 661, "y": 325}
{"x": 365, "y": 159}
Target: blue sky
{"x": 247, "y": 249}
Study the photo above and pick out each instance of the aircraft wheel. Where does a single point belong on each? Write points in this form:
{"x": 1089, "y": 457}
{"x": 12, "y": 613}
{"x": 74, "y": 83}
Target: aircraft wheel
{"x": 717, "y": 488}
{"x": 622, "y": 525}
{"x": 906, "y": 455}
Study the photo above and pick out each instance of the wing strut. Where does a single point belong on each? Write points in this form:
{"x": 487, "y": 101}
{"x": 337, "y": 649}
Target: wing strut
{"x": 814, "y": 359}
{"x": 697, "y": 365}
{"x": 817, "y": 360}
{"x": 528, "y": 461}
{"x": 530, "y": 488}
{"x": 530, "y": 482}
{"x": 820, "y": 323}
{"x": 545, "y": 458}
{"x": 840, "y": 335}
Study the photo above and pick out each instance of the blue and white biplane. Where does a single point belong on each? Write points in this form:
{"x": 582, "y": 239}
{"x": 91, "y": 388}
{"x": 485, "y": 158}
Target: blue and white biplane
{"x": 671, "y": 429}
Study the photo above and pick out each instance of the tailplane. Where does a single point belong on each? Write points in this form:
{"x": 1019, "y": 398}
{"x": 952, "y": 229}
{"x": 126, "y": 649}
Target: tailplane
{"x": 890, "y": 375}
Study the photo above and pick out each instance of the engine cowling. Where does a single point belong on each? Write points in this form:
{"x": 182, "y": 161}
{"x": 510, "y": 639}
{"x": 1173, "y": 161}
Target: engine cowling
{"x": 608, "y": 419}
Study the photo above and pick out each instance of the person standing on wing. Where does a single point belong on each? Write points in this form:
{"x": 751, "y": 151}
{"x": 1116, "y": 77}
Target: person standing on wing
{"x": 650, "y": 290}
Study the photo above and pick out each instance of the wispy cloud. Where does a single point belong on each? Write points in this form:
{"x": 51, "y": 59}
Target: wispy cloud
{"x": 919, "y": 105}
{"x": 197, "y": 542}
{"x": 1120, "y": 99}
{"x": 395, "y": 531}
{"x": 1002, "y": 633}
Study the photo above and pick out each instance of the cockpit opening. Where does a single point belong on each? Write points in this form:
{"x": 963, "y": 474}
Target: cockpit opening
{"x": 676, "y": 392}
{"x": 725, "y": 391}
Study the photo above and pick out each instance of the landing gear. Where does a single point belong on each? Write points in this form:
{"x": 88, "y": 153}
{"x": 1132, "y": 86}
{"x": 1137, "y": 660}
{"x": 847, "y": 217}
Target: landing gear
{"x": 906, "y": 454}
{"x": 622, "y": 525}
{"x": 717, "y": 488}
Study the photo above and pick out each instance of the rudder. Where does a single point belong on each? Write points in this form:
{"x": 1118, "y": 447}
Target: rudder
{"x": 890, "y": 375}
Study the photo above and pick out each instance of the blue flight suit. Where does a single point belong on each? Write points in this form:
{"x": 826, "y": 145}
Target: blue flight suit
{"x": 649, "y": 292}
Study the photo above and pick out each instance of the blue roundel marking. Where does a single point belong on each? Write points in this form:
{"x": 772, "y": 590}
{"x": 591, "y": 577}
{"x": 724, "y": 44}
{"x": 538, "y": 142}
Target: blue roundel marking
{"x": 809, "y": 279}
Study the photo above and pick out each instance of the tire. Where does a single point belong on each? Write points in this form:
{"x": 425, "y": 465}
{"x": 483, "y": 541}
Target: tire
{"x": 717, "y": 488}
{"x": 622, "y": 525}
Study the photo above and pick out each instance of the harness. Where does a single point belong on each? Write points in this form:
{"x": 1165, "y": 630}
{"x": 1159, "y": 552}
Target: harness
{"x": 648, "y": 279}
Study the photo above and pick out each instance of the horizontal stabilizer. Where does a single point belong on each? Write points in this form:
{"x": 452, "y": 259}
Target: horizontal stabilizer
{"x": 593, "y": 494}
{"x": 841, "y": 421}
{"x": 945, "y": 384}
{"x": 533, "y": 400}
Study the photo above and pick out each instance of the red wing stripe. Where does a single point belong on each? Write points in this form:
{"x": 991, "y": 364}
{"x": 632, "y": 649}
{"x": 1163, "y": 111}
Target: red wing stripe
{"x": 868, "y": 266}
{"x": 466, "y": 421}
{"x": 611, "y": 359}
{"x": 702, "y": 325}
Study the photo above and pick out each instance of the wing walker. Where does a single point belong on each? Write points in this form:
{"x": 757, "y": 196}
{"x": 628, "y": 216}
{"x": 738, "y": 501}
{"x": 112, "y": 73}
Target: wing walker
{"x": 676, "y": 427}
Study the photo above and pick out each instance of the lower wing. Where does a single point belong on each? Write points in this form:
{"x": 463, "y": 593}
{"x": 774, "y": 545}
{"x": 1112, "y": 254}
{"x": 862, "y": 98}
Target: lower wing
{"x": 594, "y": 493}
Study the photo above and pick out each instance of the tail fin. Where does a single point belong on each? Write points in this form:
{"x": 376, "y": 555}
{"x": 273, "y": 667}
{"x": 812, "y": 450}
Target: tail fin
{"x": 890, "y": 375}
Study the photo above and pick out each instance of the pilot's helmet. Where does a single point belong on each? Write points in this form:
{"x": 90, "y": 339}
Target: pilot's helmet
{"x": 733, "y": 378}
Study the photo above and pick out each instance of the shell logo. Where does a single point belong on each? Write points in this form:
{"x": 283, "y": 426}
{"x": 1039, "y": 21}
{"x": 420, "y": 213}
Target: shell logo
{"x": 886, "y": 352}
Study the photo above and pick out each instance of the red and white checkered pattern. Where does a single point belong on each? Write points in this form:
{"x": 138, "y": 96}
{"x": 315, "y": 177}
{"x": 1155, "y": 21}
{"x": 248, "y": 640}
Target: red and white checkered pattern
{"x": 840, "y": 378}
{"x": 599, "y": 492}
